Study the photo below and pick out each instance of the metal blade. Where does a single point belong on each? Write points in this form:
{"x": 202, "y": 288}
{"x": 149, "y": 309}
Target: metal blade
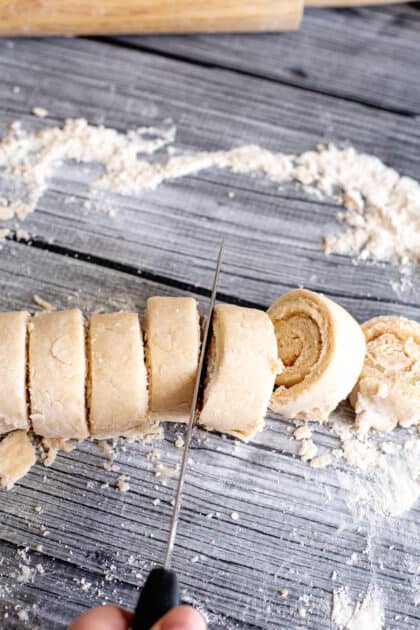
{"x": 191, "y": 422}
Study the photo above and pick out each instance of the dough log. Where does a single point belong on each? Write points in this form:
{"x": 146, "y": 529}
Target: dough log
{"x": 13, "y": 405}
{"x": 172, "y": 351}
{"x": 242, "y": 366}
{"x": 117, "y": 386}
{"x": 388, "y": 390}
{"x": 57, "y": 374}
{"x": 17, "y": 456}
{"x": 322, "y": 349}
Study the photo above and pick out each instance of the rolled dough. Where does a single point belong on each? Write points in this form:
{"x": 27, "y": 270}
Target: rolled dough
{"x": 172, "y": 350}
{"x": 241, "y": 371}
{"x": 117, "y": 388}
{"x": 322, "y": 349}
{"x": 57, "y": 374}
{"x": 388, "y": 390}
{"x": 17, "y": 456}
{"x": 13, "y": 404}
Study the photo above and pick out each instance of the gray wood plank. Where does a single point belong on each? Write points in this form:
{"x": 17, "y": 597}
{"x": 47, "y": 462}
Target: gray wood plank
{"x": 174, "y": 230}
{"x": 293, "y": 530}
{"x": 370, "y": 55}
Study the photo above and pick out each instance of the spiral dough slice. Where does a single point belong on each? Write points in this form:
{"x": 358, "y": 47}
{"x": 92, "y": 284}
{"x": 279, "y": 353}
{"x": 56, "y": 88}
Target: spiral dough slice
{"x": 388, "y": 390}
{"x": 322, "y": 349}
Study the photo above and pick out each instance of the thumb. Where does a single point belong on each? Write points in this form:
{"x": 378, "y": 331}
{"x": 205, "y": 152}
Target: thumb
{"x": 181, "y": 618}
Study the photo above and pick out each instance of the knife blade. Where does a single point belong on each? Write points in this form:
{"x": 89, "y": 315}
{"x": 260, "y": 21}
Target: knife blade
{"x": 160, "y": 592}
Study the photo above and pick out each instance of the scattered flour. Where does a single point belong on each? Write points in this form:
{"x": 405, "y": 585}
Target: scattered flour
{"x": 389, "y": 487}
{"x": 29, "y": 158}
{"x": 367, "y": 614}
{"x": 382, "y": 217}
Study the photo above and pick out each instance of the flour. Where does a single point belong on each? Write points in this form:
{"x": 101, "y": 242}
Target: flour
{"x": 360, "y": 615}
{"x": 382, "y": 217}
{"x": 390, "y": 487}
{"x": 29, "y": 158}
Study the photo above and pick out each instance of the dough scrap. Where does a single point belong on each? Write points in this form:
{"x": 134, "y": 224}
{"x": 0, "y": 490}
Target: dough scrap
{"x": 241, "y": 369}
{"x": 57, "y": 374}
{"x": 172, "y": 352}
{"x": 17, "y": 456}
{"x": 322, "y": 348}
{"x": 117, "y": 386}
{"x": 13, "y": 405}
{"x": 388, "y": 390}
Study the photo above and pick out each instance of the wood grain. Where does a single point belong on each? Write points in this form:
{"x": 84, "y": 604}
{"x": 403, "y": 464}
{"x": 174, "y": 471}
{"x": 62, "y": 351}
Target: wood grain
{"x": 82, "y": 17}
{"x": 366, "y": 55}
{"x": 181, "y": 223}
{"x": 293, "y": 531}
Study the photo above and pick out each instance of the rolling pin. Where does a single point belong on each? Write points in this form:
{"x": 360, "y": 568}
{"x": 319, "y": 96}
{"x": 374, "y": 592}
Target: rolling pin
{"x": 100, "y": 17}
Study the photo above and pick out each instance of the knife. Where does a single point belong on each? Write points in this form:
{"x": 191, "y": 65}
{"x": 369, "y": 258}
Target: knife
{"x": 161, "y": 592}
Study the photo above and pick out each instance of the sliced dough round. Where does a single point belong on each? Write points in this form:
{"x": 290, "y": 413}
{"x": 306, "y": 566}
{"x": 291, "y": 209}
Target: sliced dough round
{"x": 388, "y": 390}
{"x": 57, "y": 374}
{"x": 242, "y": 366}
{"x": 322, "y": 349}
{"x": 117, "y": 386}
{"x": 17, "y": 456}
{"x": 172, "y": 351}
{"x": 13, "y": 406}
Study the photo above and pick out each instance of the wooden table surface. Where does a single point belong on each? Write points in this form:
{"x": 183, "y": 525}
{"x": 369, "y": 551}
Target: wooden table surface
{"x": 346, "y": 76}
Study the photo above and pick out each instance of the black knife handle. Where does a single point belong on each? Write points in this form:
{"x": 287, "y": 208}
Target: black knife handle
{"x": 160, "y": 594}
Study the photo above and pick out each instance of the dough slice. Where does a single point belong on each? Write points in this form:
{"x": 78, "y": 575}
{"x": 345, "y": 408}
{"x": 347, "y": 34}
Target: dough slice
{"x": 172, "y": 351}
{"x": 17, "y": 456}
{"x": 117, "y": 390}
{"x": 13, "y": 406}
{"x": 322, "y": 349}
{"x": 57, "y": 374}
{"x": 241, "y": 370}
{"x": 388, "y": 390}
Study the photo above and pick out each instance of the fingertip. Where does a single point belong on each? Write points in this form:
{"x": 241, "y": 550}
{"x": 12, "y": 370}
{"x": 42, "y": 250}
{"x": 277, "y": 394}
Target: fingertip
{"x": 181, "y": 618}
{"x": 103, "y": 618}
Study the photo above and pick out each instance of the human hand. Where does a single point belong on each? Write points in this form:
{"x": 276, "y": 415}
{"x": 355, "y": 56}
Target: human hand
{"x": 114, "y": 618}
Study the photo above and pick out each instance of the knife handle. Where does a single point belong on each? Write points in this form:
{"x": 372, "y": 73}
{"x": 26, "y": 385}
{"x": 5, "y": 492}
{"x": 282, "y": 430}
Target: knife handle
{"x": 160, "y": 594}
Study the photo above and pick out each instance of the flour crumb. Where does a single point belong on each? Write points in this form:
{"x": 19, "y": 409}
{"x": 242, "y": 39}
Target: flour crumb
{"x": 107, "y": 448}
{"x": 234, "y": 516}
{"x": 22, "y": 235}
{"x": 53, "y": 446}
{"x": 302, "y": 612}
{"x": 284, "y": 592}
{"x": 322, "y": 461}
{"x": 23, "y": 615}
{"x": 4, "y": 233}
{"x": 122, "y": 483}
{"x": 179, "y": 441}
{"x": 302, "y": 433}
{"x": 39, "y": 301}
{"x": 110, "y": 467}
{"x": 40, "y": 112}
{"x": 307, "y": 450}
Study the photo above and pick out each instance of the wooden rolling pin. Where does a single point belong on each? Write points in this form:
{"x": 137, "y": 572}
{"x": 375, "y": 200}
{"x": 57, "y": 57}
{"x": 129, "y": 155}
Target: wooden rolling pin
{"x": 90, "y": 17}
